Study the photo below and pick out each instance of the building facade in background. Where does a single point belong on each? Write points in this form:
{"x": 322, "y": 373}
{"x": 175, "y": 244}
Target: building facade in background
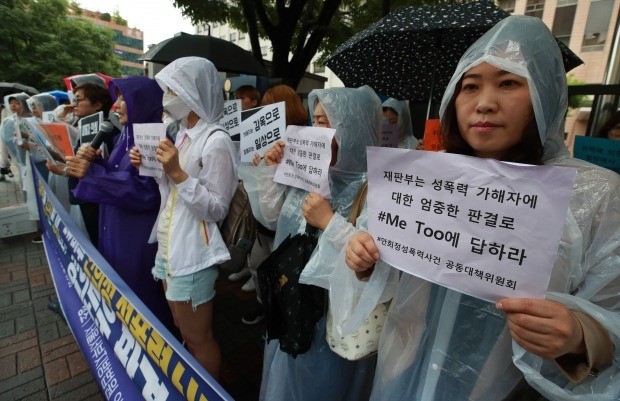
{"x": 588, "y": 28}
{"x": 128, "y": 42}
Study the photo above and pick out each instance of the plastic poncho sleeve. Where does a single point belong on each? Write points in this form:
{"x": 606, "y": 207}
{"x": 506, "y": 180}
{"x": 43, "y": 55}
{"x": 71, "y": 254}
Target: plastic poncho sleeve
{"x": 352, "y": 300}
{"x": 124, "y": 189}
{"x": 592, "y": 238}
{"x": 266, "y": 196}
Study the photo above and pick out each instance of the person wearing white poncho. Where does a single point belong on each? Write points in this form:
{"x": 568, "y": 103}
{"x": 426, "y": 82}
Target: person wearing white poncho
{"x": 406, "y": 140}
{"x": 438, "y": 344}
{"x": 318, "y": 374}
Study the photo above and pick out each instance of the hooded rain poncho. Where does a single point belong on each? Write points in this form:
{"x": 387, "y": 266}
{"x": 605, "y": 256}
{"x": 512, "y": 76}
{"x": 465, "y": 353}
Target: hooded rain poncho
{"x": 439, "y": 344}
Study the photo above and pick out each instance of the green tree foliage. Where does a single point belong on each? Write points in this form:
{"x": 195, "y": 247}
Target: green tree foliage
{"x": 576, "y": 101}
{"x": 297, "y": 29}
{"x": 41, "y": 44}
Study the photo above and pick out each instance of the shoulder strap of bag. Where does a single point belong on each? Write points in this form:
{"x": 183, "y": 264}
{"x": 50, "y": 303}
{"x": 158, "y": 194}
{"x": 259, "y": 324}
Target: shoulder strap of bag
{"x": 358, "y": 203}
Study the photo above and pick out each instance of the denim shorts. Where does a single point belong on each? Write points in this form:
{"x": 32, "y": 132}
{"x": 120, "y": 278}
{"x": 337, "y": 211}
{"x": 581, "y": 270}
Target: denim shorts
{"x": 198, "y": 287}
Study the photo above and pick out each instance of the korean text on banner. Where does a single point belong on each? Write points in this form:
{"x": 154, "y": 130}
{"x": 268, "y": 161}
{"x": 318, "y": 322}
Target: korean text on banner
{"x": 232, "y": 117}
{"x": 482, "y": 227}
{"x": 306, "y": 159}
{"x": 130, "y": 353}
{"x": 261, "y": 130}
{"x": 147, "y": 138}
{"x": 89, "y": 127}
{"x": 600, "y": 151}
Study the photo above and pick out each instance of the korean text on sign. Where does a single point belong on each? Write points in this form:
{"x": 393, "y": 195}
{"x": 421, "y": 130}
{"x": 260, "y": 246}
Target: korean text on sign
{"x": 261, "y": 130}
{"x": 482, "y": 227}
{"x": 147, "y": 138}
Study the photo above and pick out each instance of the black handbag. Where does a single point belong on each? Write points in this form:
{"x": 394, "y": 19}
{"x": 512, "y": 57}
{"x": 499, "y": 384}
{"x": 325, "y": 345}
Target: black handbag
{"x": 291, "y": 309}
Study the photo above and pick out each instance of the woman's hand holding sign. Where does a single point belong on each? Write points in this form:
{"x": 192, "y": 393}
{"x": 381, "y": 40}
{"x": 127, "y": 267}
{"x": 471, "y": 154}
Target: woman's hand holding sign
{"x": 317, "y": 211}
{"x": 168, "y": 156}
{"x": 361, "y": 255}
{"x": 275, "y": 154}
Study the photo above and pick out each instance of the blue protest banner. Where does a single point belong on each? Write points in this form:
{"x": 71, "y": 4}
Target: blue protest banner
{"x": 600, "y": 151}
{"x": 131, "y": 354}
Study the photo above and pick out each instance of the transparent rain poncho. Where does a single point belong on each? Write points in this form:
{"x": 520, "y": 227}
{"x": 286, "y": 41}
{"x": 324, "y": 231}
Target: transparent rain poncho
{"x": 8, "y": 128}
{"x": 318, "y": 373}
{"x": 406, "y": 140}
{"x": 43, "y": 102}
{"x": 439, "y": 344}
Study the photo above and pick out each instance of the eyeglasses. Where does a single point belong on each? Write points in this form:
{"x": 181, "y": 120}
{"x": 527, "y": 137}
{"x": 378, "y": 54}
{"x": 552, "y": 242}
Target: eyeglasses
{"x": 79, "y": 99}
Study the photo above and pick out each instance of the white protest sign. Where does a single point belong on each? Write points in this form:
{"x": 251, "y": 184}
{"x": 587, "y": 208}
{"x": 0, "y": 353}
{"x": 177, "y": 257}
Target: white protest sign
{"x": 260, "y": 130}
{"x": 306, "y": 159}
{"x": 389, "y": 134}
{"x": 48, "y": 117}
{"x": 232, "y": 116}
{"x": 147, "y": 138}
{"x": 482, "y": 227}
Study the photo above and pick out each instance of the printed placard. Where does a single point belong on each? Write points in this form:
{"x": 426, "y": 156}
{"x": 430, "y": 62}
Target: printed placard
{"x": 260, "y": 130}
{"x": 600, "y": 151}
{"x": 482, "y": 227}
{"x": 37, "y": 142}
{"x": 89, "y": 127}
{"x": 232, "y": 116}
{"x": 58, "y": 136}
{"x": 147, "y": 138}
{"x": 48, "y": 117}
{"x": 432, "y": 135}
{"x": 306, "y": 159}
{"x": 389, "y": 134}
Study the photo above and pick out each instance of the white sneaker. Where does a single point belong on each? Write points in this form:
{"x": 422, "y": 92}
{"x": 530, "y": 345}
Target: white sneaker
{"x": 241, "y": 274}
{"x": 249, "y": 286}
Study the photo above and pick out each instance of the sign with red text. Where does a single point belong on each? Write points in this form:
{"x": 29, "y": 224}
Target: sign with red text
{"x": 482, "y": 227}
{"x": 307, "y": 155}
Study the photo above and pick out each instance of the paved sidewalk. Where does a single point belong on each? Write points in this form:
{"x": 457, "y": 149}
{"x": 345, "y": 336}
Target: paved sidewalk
{"x": 39, "y": 359}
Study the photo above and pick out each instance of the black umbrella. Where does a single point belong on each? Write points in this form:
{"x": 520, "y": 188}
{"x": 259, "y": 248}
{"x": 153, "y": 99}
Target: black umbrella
{"x": 226, "y": 56}
{"x": 413, "y": 51}
{"x": 6, "y": 88}
{"x": 291, "y": 309}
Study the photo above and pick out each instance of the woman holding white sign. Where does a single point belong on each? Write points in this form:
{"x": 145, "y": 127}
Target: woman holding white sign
{"x": 355, "y": 114}
{"x": 200, "y": 178}
{"x": 507, "y": 101}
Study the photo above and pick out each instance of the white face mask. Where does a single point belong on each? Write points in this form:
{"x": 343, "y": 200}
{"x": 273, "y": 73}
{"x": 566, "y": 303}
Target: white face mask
{"x": 175, "y": 106}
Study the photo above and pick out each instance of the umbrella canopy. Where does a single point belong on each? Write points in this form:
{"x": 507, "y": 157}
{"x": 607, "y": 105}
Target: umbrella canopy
{"x": 7, "y": 88}
{"x": 95, "y": 77}
{"x": 226, "y": 56}
{"x": 413, "y": 51}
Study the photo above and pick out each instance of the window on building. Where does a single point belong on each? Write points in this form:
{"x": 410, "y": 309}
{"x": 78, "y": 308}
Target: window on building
{"x": 563, "y": 20}
{"x": 215, "y": 25}
{"x": 535, "y": 8}
{"x": 263, "y": 50}
{"x": 241, "y": 35}
{"x": 223, "y": 37}
{"x": 507, "y": 5}
{"x": 318, "y": 68}
{"x": 597, "y": 25}
{"x": 233, "y": 36}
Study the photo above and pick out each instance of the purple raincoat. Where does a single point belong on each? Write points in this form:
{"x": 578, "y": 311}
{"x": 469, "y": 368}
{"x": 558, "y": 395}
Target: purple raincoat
{"x": 128, "y": 202}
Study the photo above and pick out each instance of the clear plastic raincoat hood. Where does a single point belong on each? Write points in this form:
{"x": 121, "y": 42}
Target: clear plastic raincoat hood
{"x": 406, "y": 140}
{"x": 438, "y": 344}
{"x": 200, "y": 73}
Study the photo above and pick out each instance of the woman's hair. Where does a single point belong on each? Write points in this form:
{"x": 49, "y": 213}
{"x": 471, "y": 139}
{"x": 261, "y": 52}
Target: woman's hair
{"x": 608, "y": 125}
{"x": 529, "y": 150}
{"x": 296, "y": 113}
{"x": 248, "y": 91}
{"x": 96, "y": 94}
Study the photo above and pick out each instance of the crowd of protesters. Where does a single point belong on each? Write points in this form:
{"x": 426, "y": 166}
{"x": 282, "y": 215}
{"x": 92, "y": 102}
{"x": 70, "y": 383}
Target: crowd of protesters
{"x": 506, "y": 101}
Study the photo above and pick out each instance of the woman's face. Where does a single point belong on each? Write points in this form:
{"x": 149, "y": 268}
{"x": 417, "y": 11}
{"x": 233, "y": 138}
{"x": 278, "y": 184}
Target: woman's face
{"x": 614, "y": 132}
{"x": 35, "y": 110}
{"x": 319, "y": 119}
{"x": 121, "y": 109}
{"x": 83, "y": 106}
{"x": 246, "y": 102}
{"x": 390, "y": 115}
{"x": 15, "y": 106}
{"x": 493, "y": 109}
